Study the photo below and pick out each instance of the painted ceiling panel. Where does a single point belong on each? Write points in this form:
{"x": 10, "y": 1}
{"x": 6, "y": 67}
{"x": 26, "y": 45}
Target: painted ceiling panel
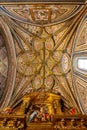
{"x": 38, "y": 15}
{"x": 43, "y": 38}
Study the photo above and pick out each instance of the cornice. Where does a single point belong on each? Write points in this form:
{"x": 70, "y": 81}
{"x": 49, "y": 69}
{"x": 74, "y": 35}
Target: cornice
{"x": 43, "y": 1}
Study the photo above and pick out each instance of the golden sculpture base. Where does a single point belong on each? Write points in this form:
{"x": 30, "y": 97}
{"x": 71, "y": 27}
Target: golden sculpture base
{"x": 60, "y": 122}
{"x": 40, "y": 126}
{"x": 12, "y": 122}
{"x": 8, "y": 128}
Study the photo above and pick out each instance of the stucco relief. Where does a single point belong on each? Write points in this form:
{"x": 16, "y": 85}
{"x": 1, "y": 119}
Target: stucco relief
{"x": 41, "y": 15}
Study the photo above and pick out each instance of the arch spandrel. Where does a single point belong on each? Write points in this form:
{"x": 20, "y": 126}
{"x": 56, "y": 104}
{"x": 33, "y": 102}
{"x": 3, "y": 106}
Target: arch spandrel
{"x": 5, "y": 31}
{"x": 79, "y": 70}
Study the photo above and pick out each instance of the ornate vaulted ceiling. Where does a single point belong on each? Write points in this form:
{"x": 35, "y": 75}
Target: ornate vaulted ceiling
{"x": 42, "y": 45}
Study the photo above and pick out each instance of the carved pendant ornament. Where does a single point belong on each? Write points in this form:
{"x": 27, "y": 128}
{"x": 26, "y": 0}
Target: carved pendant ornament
{"x": 41, "y": 48}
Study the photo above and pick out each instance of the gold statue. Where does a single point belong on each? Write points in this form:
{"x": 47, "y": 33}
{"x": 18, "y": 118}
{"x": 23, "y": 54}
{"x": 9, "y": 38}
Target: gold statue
{"x": 48, "y": 102}
{"x": 26, "y": 101}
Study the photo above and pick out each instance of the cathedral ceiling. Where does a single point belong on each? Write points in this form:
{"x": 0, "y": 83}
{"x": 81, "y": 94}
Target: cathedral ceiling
{"x": 42, "y": 45}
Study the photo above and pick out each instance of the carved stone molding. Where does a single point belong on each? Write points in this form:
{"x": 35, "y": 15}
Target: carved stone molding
{"x": 42, "y": 1}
